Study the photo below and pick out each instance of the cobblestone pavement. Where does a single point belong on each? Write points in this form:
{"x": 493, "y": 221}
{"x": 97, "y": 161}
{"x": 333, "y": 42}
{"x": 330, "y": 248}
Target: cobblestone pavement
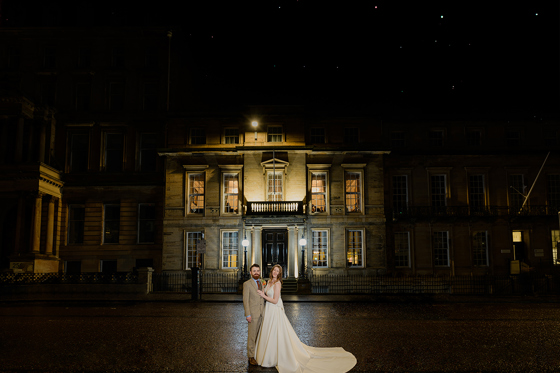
{"x": 211, "y": 336}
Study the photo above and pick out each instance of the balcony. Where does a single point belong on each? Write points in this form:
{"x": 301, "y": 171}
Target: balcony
{"x": 263, "y": 208}
{"x": 469, "y": 211}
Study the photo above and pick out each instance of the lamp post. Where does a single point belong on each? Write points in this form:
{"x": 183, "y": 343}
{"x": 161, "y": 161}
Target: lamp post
{"x": 245, "y": 244}
{"x": 302, "y": 243}
{"x": 255, "y": 124}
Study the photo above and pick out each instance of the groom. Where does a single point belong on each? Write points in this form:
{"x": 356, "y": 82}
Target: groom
{"x": 253, "y": 304}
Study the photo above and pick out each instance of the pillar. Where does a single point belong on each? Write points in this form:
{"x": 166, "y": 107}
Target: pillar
{"x": 257, "y": 246}
{"x": 50, "y": 227}
{"x": 36, "y": 229}
{"x": 292, "y": 251}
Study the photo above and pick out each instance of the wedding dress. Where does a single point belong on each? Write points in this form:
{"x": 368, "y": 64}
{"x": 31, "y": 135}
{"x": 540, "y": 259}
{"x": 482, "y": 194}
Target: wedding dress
{"x": 279, "y": 346}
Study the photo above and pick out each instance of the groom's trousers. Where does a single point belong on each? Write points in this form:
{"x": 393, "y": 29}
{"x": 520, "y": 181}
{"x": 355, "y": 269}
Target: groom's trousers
{"x": 254, "y": 327}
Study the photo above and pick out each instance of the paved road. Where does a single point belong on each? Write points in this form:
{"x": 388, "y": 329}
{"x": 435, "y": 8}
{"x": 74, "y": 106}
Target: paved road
{"x": 211, "y": 337}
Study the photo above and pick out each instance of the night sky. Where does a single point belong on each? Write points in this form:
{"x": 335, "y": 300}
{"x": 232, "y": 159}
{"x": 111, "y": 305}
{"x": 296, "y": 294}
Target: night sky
{"x": 453, "y": 56}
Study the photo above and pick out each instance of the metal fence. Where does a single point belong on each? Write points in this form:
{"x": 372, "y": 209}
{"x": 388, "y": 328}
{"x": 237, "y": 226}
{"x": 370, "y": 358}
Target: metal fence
{"x": 468, "y": 285}
{"x": 210, "y": 282}
{"x": 68, "y": 278}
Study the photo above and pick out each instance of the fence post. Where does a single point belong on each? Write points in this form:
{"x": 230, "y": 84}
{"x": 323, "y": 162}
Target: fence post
{"x": 195, "y": 283}
{"x": 145, "y": 277}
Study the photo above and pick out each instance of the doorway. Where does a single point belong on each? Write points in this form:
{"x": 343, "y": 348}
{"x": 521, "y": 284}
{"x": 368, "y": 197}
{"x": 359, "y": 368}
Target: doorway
{"x": 275, "y": 250}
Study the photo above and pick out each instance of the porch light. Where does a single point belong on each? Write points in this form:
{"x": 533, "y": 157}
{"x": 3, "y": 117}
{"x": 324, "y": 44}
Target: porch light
{"x": 255, "y": 124}
{"x": 302, "y": 241}
{"x": 245, "y": 241}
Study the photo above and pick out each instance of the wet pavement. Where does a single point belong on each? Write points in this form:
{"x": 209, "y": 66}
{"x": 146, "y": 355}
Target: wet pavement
{"x": 211, "y": 336}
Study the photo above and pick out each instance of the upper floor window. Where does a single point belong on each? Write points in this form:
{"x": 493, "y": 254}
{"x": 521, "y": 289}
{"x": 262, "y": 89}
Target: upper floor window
{"x": 441, "y": 248}
{"x": 231, "y": 136}
{"x": 318, "y": 192}
{"x": 275, "y": 186}
{"x": 351, "y": 135}
{"x": 14, "y": 57}
{"x": 553, "y": 195}
{"x": 76, "y": 224}
{"x": 49, "y": 58}
{"x": 400, "y": 193}
{"x": 320, "y": 248}
{"x": 317, "y": 136}
{"x": 114, "y": 152}
{"x": 230, "y": 249}
{"x": 117, "y": 57}
{"x": 353, "y": 191}
{"x": 196, "y": 193}
{"x": 477, "y": 193}
{"x": 436, "y": 138}
{"x": 438, "y": 190}
{"x": 84, "y": 58}
{"x": 146, "y": 222}
{"x": 83, "y": 96}
{"x": 474, "y": 138}
{"x": 355, "y": 247}
{"x": 398, "y": 139}
{"x": 111, "y": 223}
{"x": 516, "y": 192}
{"x": 147, "y": 156}
{"x": 79, "y": 151}
{"x": 151, "y": 58}
{"x": 480, "y": 248}
{"x": 198, "y": 136}
{"x": 402, "y": 249}
{"x": 116, "y": 96}
{"x": 513, "y": 138}
{"x": 550, "y": 136}
{"x": 231, "y": 193}
{"x": 150, "y": 98}
{"x": 274, "y": 133}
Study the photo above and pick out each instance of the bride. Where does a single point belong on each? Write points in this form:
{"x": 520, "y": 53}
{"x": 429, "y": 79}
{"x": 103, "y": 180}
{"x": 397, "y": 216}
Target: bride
{"x": 279, "y": 346}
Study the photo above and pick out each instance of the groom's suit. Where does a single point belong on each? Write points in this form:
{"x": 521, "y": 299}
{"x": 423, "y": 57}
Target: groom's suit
{"x": 253, "y": 304}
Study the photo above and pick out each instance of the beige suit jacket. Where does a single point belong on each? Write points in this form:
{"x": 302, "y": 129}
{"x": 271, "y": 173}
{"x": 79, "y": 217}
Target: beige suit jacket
{"x": 253, "y": 303}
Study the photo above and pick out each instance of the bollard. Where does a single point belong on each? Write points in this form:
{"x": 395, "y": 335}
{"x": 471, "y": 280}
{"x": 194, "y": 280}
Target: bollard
{"x": 195, "y": 283}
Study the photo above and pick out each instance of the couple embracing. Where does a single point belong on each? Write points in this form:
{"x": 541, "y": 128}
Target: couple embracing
{"x": 272, "y": 341}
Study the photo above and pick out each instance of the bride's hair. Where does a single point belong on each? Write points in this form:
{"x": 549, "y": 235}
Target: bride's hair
{"x": 279, "y": 273}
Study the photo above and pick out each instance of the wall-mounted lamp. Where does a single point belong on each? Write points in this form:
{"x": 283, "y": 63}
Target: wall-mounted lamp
{"x": 255, "y": 124}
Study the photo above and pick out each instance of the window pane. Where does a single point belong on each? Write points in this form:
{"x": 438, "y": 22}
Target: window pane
{"x": 402, "y": 249}
{"x": 76, "y": 222}
{"x": 480, "y": 248}
{"x": 477, "y": 200}
{"x": 516, "y": 192}
{"x": 355, "y": 249}
{"x": 320, "y": 248}
{"x": 198, "y": 136}
{"x": 146, "y": 223}
{"x": 230, "y": 250}
{"x": 439, "y": 190}
{"x": 194, "y": 259}
{"x": 351, "y": 135}
{"x": 111, "y": 224}
{"x": 441, "y": 248}
{"x": 274, "y": 133}
{"x": 553, "y": 182}
{"x": 353, "y": 192}
{"x": 196, "y": 193}
{"x": 231, "y": 136}
{"x": 317, "y": 135}
{"x": 231, "y": 193}
{"x": 79, "y": 149}
{"x": 318, "y": 192}
{"x": 274, "y": 183}
{"x": 148, "y": 154}
{"x": 114, "y": 152}
{"x": 555, "y": 235}
{"x": 400, "y": 193}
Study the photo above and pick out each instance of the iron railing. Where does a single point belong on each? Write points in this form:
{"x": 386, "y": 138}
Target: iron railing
{"x": 470, "y": 211}
{"x": 210, "y": 282}
{"x": 8, "y": 278}
{"x": 275, "y": 208}
{"x": 535, "y": 283}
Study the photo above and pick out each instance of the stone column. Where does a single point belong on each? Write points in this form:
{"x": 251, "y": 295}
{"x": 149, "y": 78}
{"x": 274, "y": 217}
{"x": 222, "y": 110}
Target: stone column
{"x": 257, "y": 246}
{"x": 50, "y": 228}
{"x": 36, "y": 229}
{"x": 292, "y": 251}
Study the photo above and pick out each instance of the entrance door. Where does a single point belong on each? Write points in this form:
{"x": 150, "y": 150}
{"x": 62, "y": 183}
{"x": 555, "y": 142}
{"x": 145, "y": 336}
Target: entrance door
{"x": 275, "y": 250}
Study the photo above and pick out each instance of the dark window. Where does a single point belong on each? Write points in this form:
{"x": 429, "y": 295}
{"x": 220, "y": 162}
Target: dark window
{"x": 117, "y": 60}
{"x": 79, "y": 149}
{"x": 76, "y": 222}
{"x": 14, "y": 57}
{"x": 114, "y": 147}
{"x": 553, "y": 191}
{"x": 73, "y": 266}
{"x": 150, "y": 96}
{"x": 83, "y": 96}
{"x": 351, "y": 135}
{"x": 317, "y": 136}
{"x": 151, "y": 58}
{"x": 146, "y": 222}
{"x": 116, "y": 96}
{"x": 198, "y": 136}
{"x": 474, "y": 138}
{"x": 111, "y": 224}
{"x": 148, "y": 154}
{"x": 49, "y": 58}
{"x": 512, "y": 138}
{"x": 84, "y": 58}
{"x": 108, "y": 266}
{"x": 436, "y": 138}
{"x": 398, "y": 139}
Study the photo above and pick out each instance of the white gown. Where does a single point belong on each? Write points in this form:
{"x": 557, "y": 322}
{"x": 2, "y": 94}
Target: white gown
{"x": 279, "y": 346}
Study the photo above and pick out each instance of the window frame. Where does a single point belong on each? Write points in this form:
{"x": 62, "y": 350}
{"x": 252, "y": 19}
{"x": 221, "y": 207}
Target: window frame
{"x": 352, "y": 138}
{"x": 359, "y": 171}
{"x": 141, "y": 220}
{"x": 116, "y": 96}
{"x": 236, "y": 248}
{"x": 317, "y": 138}
{"x": 225, "y": 195}
{"x": 197, "y": 138}
{"x": 471, "y": 192}
{"x": 445, "y": 248}
{"x": 396, "y": 203}
{"x": 105, "y": 156}
{"x": 189, "y": 194}
{"x": 226, "y": 136}
{"x": 514, "y": 193}
{"x": 72, "y": 151}
{"x": 280, "y": 173}
{"x": 324, "y": 248}
{"x": 397, "y": 265}
{"x": 313, "y": 172}
{"x": 434, "y": 141}
{"x": 70, "y": 223}
{"x": 142, "y": 150}
{"x": 270, "y": 136}
{"x": 480, "y": 261}
{"x": 105, "y": 220}
{"x": 555, "y": 233}
{"x": 189, "y": 238}
{"x": 362, "y": 247}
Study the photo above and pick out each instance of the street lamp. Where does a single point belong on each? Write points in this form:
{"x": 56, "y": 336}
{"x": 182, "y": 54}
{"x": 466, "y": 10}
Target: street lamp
{"x": 245, "y": 244}
{"x": 302, "y": 243}
{"x": 255, "y": 124}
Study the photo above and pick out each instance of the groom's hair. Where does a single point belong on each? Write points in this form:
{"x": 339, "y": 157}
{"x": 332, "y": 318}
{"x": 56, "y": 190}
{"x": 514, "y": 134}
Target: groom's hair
{"x": 254, "y": 265}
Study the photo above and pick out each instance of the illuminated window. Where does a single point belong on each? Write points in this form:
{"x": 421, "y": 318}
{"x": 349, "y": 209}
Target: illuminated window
{"x": 320, "y": 245}
{"x": 402, "y": 249}
{"x": 230, "y": 250}
{"x": 196, "y": 193}
{"x": 438, "y": 189}
{"x": 111, "y": 223}
{"x": 79, "y": 150}
{"x": 146, "y": 222}
{"x": 353, "y": 191}
{"x": 480, "y": 248}
{"x": 355, "y": 248}
{"x": 477, "y": 195}
{"x": 274, "y": 133}
{"x": 194, "y": 259}
{"x": 400, "y": 193}
{"x": 114, "y": 152}
{"x": 555, "y": 235}
{"x": 231, "y": 136}
{"x": 231, "y": 193}
{"x": 275, "y": 186}
{"x": 441, "y": 248}
{"x": 318, "y": 192}
{"x": 76, "y": 223}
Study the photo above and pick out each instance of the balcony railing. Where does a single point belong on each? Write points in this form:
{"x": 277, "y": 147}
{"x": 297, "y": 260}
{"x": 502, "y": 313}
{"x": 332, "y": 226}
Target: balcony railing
{"x": 470, "y": 211}
{"x": 275, "y": 208}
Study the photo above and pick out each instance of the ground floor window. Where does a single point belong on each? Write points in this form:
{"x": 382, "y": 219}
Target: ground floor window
{"x": 355, "y": 248}
{"x": 402, "y": 249}
{"x": 441, "y": 248}
{"x": 194, "y": 259}
{"x": 480, "y": 248}
{"x": 230, "y": 250}
{"x": 320, "y": 248}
